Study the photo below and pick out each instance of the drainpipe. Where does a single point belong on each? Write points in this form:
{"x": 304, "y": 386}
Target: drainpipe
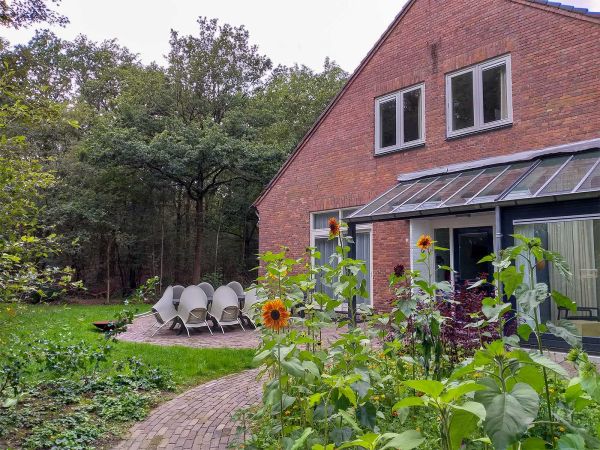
{"x": 498, "y": 218}
{"x": 352, "y": 255}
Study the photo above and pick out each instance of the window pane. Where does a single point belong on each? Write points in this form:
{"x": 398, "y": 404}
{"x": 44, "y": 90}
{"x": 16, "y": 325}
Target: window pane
{"x": 578, "y": 242}
{"x": 425, "y": 193}
{"x": 478, "y": 184}
{"x": 363, "y": 252}
{"x": 494, "y": 94}
{"x": 327, "y": 248}
{"x": 321, "y": 220}
{"x": 502, "y": 183}
{"x": 405, "y": 195}
{"x": 441, "y": 236}
{"x": 387, "y": 120}
{"x": 536, "y": 179}
{"x": 592, "y": 182}
{"x": 348, "y": 212}
{"x": 462, "y": 101}
{"x": 412, "y": 115}
{"x": 450, "y": 189}
{"x": 383, "y": 199}
{"x": 571, "y": 174}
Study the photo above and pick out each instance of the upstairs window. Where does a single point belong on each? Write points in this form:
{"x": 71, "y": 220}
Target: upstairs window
{"x": 479, "y": 98}
{"x": 399, "y": 120}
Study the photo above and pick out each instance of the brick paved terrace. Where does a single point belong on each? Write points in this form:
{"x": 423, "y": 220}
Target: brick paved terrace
{"x": 142, "y": 328}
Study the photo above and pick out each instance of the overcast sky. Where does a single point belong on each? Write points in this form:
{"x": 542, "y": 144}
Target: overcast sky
{"x": 288, "y": 32}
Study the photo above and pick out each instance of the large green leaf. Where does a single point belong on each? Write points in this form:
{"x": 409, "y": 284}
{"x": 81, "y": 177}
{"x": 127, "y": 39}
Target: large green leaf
{"x": 508, "y": 414}
{"x": 563, "y": 301}
{"x": 566, "y": 330}
{"x": 408, "y": 401}
{"x": 533, "y": 443}
{"x": 302, "y": 439}
{"x": 455, "y": 392}
{"x": 430, "y": 387}
{"x": 571, "y": 442}
{"x": 462, "y": 424}
{"x": 549, "y": 364}
{"x": 406, "y": 441}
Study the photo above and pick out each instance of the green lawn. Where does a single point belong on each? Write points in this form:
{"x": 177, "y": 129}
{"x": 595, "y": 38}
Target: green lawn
{"x": 189, "y": 366}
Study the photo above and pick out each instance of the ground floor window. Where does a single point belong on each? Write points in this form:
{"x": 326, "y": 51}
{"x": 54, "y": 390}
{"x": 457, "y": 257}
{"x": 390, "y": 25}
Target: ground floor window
{"x": 320, "y": 240}
{"x": 578, "y": 241}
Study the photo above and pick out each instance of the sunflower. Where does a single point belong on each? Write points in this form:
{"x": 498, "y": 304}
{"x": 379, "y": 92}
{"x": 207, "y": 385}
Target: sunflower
{"x": 424, "y": 242}
{"x": 275, "y": 315}
{"x": 334, "y": 227}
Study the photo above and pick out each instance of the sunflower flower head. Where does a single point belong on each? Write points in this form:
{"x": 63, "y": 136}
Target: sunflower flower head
{"x": 275, "y": 314}
{"x": 334, "y": 227}
{"x": 424, "y": 242}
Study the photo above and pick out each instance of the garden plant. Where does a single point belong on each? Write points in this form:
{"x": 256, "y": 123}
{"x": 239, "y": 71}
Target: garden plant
{"x": 443, "y": 370}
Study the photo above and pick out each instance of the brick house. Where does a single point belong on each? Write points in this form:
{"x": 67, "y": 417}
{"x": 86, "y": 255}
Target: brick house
{"x": 475, "y": 119}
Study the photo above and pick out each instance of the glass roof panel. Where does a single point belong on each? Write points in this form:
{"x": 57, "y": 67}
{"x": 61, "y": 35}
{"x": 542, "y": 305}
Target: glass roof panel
{"x": 450, "y": 189}
{"x": 370, "y": 208}
{"x": 404, "y": 196}
{"x": 502, "y": 183}
{"x": 570, "y": 175}
{"x": 592, "y": 181}
{"x": 420, "y": 197}
{"x": 464, "y": 195}
{"x": 529, "y": 185}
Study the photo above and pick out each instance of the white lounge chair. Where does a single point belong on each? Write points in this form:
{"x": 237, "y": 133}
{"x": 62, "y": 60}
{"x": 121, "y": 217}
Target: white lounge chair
{"x": 177, "y": 291}
{"x": 208, "y": 290}
{"x": 238, "y": 289}
{"x": 164, "y": 311}
{"x": 248, "y": 312}
{"x": 193, "y": 309}
{"x": 225, "y": 308}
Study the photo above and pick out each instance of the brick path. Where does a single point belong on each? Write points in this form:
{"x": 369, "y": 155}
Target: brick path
{"x": 200, "y": 418}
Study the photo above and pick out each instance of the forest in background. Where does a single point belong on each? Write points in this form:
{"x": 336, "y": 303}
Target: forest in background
{"x": 152, "y": 169}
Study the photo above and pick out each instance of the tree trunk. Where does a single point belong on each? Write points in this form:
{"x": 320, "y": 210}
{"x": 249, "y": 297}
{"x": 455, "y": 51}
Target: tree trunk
{"x": 178, "y": 243}
{"x": 198, "y": 244}
{"x": 162, "y": 247}
{"x": 108, "y": 270}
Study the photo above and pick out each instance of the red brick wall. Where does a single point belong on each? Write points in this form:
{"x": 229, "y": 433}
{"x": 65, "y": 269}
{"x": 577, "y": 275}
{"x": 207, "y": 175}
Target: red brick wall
{"x": 556, "y": 100}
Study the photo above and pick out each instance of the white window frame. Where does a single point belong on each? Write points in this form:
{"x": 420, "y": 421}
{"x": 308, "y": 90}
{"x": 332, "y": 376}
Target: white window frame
{"x": 399, "y": 97}
{"x": 321, "y": 233}
{"x": 477, "y": 71}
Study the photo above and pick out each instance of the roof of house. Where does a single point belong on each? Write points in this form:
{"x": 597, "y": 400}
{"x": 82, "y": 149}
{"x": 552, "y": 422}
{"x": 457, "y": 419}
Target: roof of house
{"x": 560, "y": 8}
{"x": 566, "y": 7}
{"x": 551, "y": 174}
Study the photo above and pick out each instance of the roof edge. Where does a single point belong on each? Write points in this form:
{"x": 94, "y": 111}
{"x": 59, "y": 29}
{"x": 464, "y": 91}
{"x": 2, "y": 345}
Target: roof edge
{"x": 574, "y": 147}
{"x": 333, "y": 102}
{"x": 562, "y": 9}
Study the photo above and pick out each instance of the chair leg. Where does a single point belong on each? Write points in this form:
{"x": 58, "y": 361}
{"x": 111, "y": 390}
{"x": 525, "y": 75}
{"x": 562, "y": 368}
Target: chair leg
{"x": 240, "y": 322}
{"x": 186, "y": 328}
{"x": 158, "y": 329}
{"x": 222, "y": 330}
{"x": 208, "y": 326}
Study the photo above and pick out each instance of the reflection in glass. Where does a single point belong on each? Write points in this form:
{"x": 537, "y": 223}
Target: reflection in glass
{"x": 503, "y": 182}
{"x": 412, "y": 115}
{"x": 571, "y": 174}
{"x": 529, "y": 185}
{"x": 464, "y": 195}
{"x": 463, "y": 115}
{"x": 578, "y": 241}
{"x": 387, "y": 120}
{"x": 494, "y": 94}
{"x": 592, "y": 181}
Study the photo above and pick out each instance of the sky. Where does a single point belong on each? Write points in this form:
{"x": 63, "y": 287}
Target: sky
{"x": 289, "y": 32}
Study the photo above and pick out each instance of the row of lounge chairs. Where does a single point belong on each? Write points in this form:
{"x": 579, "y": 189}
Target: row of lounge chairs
{"x": 194, "y": 306}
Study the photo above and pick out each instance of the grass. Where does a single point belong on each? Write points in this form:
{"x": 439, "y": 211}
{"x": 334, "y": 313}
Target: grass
{"x": 190, "y": 366}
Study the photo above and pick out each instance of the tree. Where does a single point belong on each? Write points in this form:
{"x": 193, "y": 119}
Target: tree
{"x": 23, "y": 13}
